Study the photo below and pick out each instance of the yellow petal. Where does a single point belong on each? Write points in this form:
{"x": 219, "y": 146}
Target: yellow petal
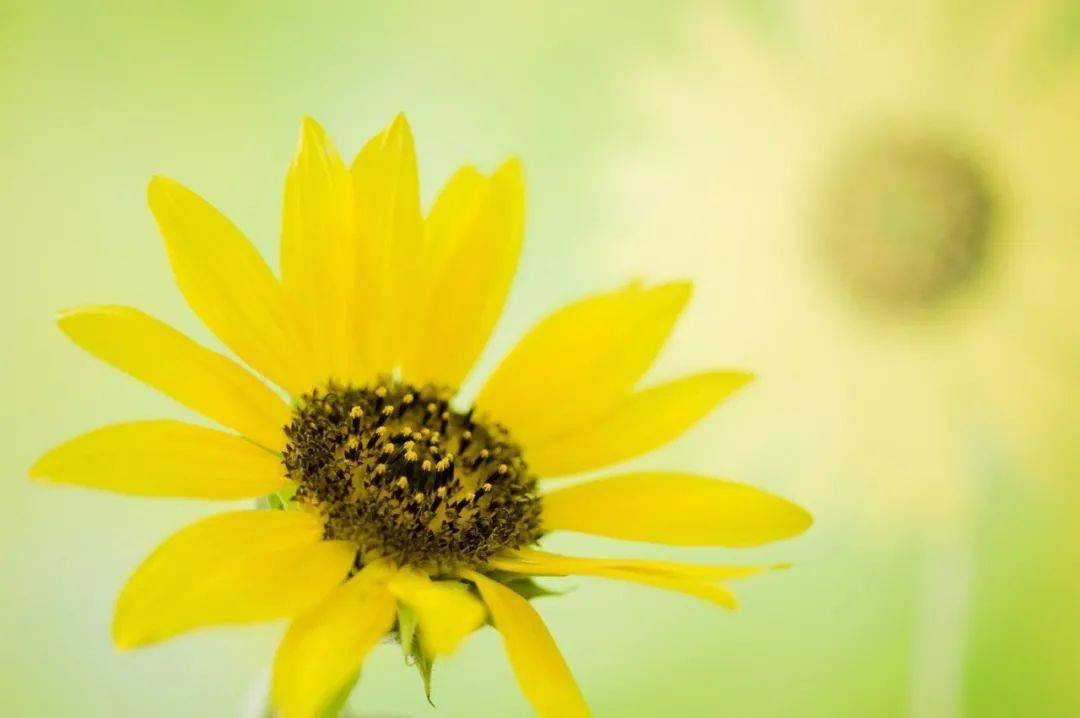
{"x": 579, "y": 362}
{"x": 472, "y": 243}
{"x": 700, "y": 581}
{"x": 227, "y": 283}
{"x": 164, "y": 458}
{"x": 238, "y": 567}
{"x": 323, "y": 649}
{"x": 317, "y": 253}
{"x": 388, "y": 241}
{"x": 447, "y": 613}
{"x": 541, "y": 670}
{"x": 157, "y": 354}
{"x": 541, "y": 563}
{"x": 676, "y": 509}
{"x": 639, "y": 423}
{"x": 456, "y": 203}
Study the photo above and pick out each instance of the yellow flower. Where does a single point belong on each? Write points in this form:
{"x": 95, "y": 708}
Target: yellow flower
{"x": 894, "y": 187}
{"x": 404, "y": 511}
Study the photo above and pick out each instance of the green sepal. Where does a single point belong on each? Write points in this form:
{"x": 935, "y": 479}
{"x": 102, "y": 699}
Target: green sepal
{"x": 524, "y": 586}
{"x": 406, "y": 626}
{"x": 424, "y": 665}
{"x": 410, "y": 647}
{"x": 280, "y": 500}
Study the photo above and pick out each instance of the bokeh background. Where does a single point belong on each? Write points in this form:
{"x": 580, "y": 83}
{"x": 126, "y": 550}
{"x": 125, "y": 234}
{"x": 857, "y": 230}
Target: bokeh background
{"x": 935, "y": 439}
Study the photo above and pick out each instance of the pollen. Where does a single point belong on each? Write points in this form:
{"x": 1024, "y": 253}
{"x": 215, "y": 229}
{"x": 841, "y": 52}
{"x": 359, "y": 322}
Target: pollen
{"x": 397, "y": 471}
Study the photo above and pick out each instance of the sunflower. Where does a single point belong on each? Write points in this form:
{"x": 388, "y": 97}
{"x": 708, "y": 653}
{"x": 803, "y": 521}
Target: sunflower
{"x": 895, "y": 184}
{"x": 395, "y": 508}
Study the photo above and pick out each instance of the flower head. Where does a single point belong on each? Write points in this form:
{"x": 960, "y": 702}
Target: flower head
{"x": 905, "y": 222}
{"x": 397, "y": 507}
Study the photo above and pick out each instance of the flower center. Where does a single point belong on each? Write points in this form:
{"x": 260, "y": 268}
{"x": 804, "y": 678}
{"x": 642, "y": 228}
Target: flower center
{"x": 395, "y": 470}
{"x": 907, "y": 223}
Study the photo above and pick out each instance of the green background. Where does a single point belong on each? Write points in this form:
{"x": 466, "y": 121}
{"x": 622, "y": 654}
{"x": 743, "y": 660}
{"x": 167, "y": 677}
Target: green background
{"x": 100, "y": 96}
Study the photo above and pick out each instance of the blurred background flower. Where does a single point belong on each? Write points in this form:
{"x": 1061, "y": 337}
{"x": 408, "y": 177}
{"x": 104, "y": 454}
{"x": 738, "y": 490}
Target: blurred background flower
{"x": 917, "y": 364}
{"x": 881, "y": 201}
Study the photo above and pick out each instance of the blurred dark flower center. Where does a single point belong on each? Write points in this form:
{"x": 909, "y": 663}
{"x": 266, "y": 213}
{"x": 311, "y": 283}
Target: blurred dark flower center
{"x": 906, "y": 222}
{"x": 394, "y": 469}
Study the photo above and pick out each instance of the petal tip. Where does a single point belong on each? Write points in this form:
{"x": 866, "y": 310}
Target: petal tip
{"x": 512, "y": 168}
{"x": 802, "y": 519}
{"x": 123, "y": 646}
{"x": 61, "y": 315}
{"x": 69, "y": 320}
{"x": 160, "y": 183}
{"x": 312, "y": 133}
{"x": 744, "y": 377}
{"x": 64, "y": 317}
{"x": 681, "y": 290}
{"x": 160, "y": 191}
{"x": 42, "y": 467}
{"x": 670, "y": 296}
{"x": 123, "y": 638}
{"x": 729, "y": 381}
{"x": 400, "y": 123}
{"x": 398, "y": 134}
{"x": 84, "y": 310}
{"x": 309, "y": 124}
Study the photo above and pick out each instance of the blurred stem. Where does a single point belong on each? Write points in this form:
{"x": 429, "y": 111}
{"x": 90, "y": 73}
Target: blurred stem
{"x": 1024, "y": 647}
{"x": 939, "y": 644}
